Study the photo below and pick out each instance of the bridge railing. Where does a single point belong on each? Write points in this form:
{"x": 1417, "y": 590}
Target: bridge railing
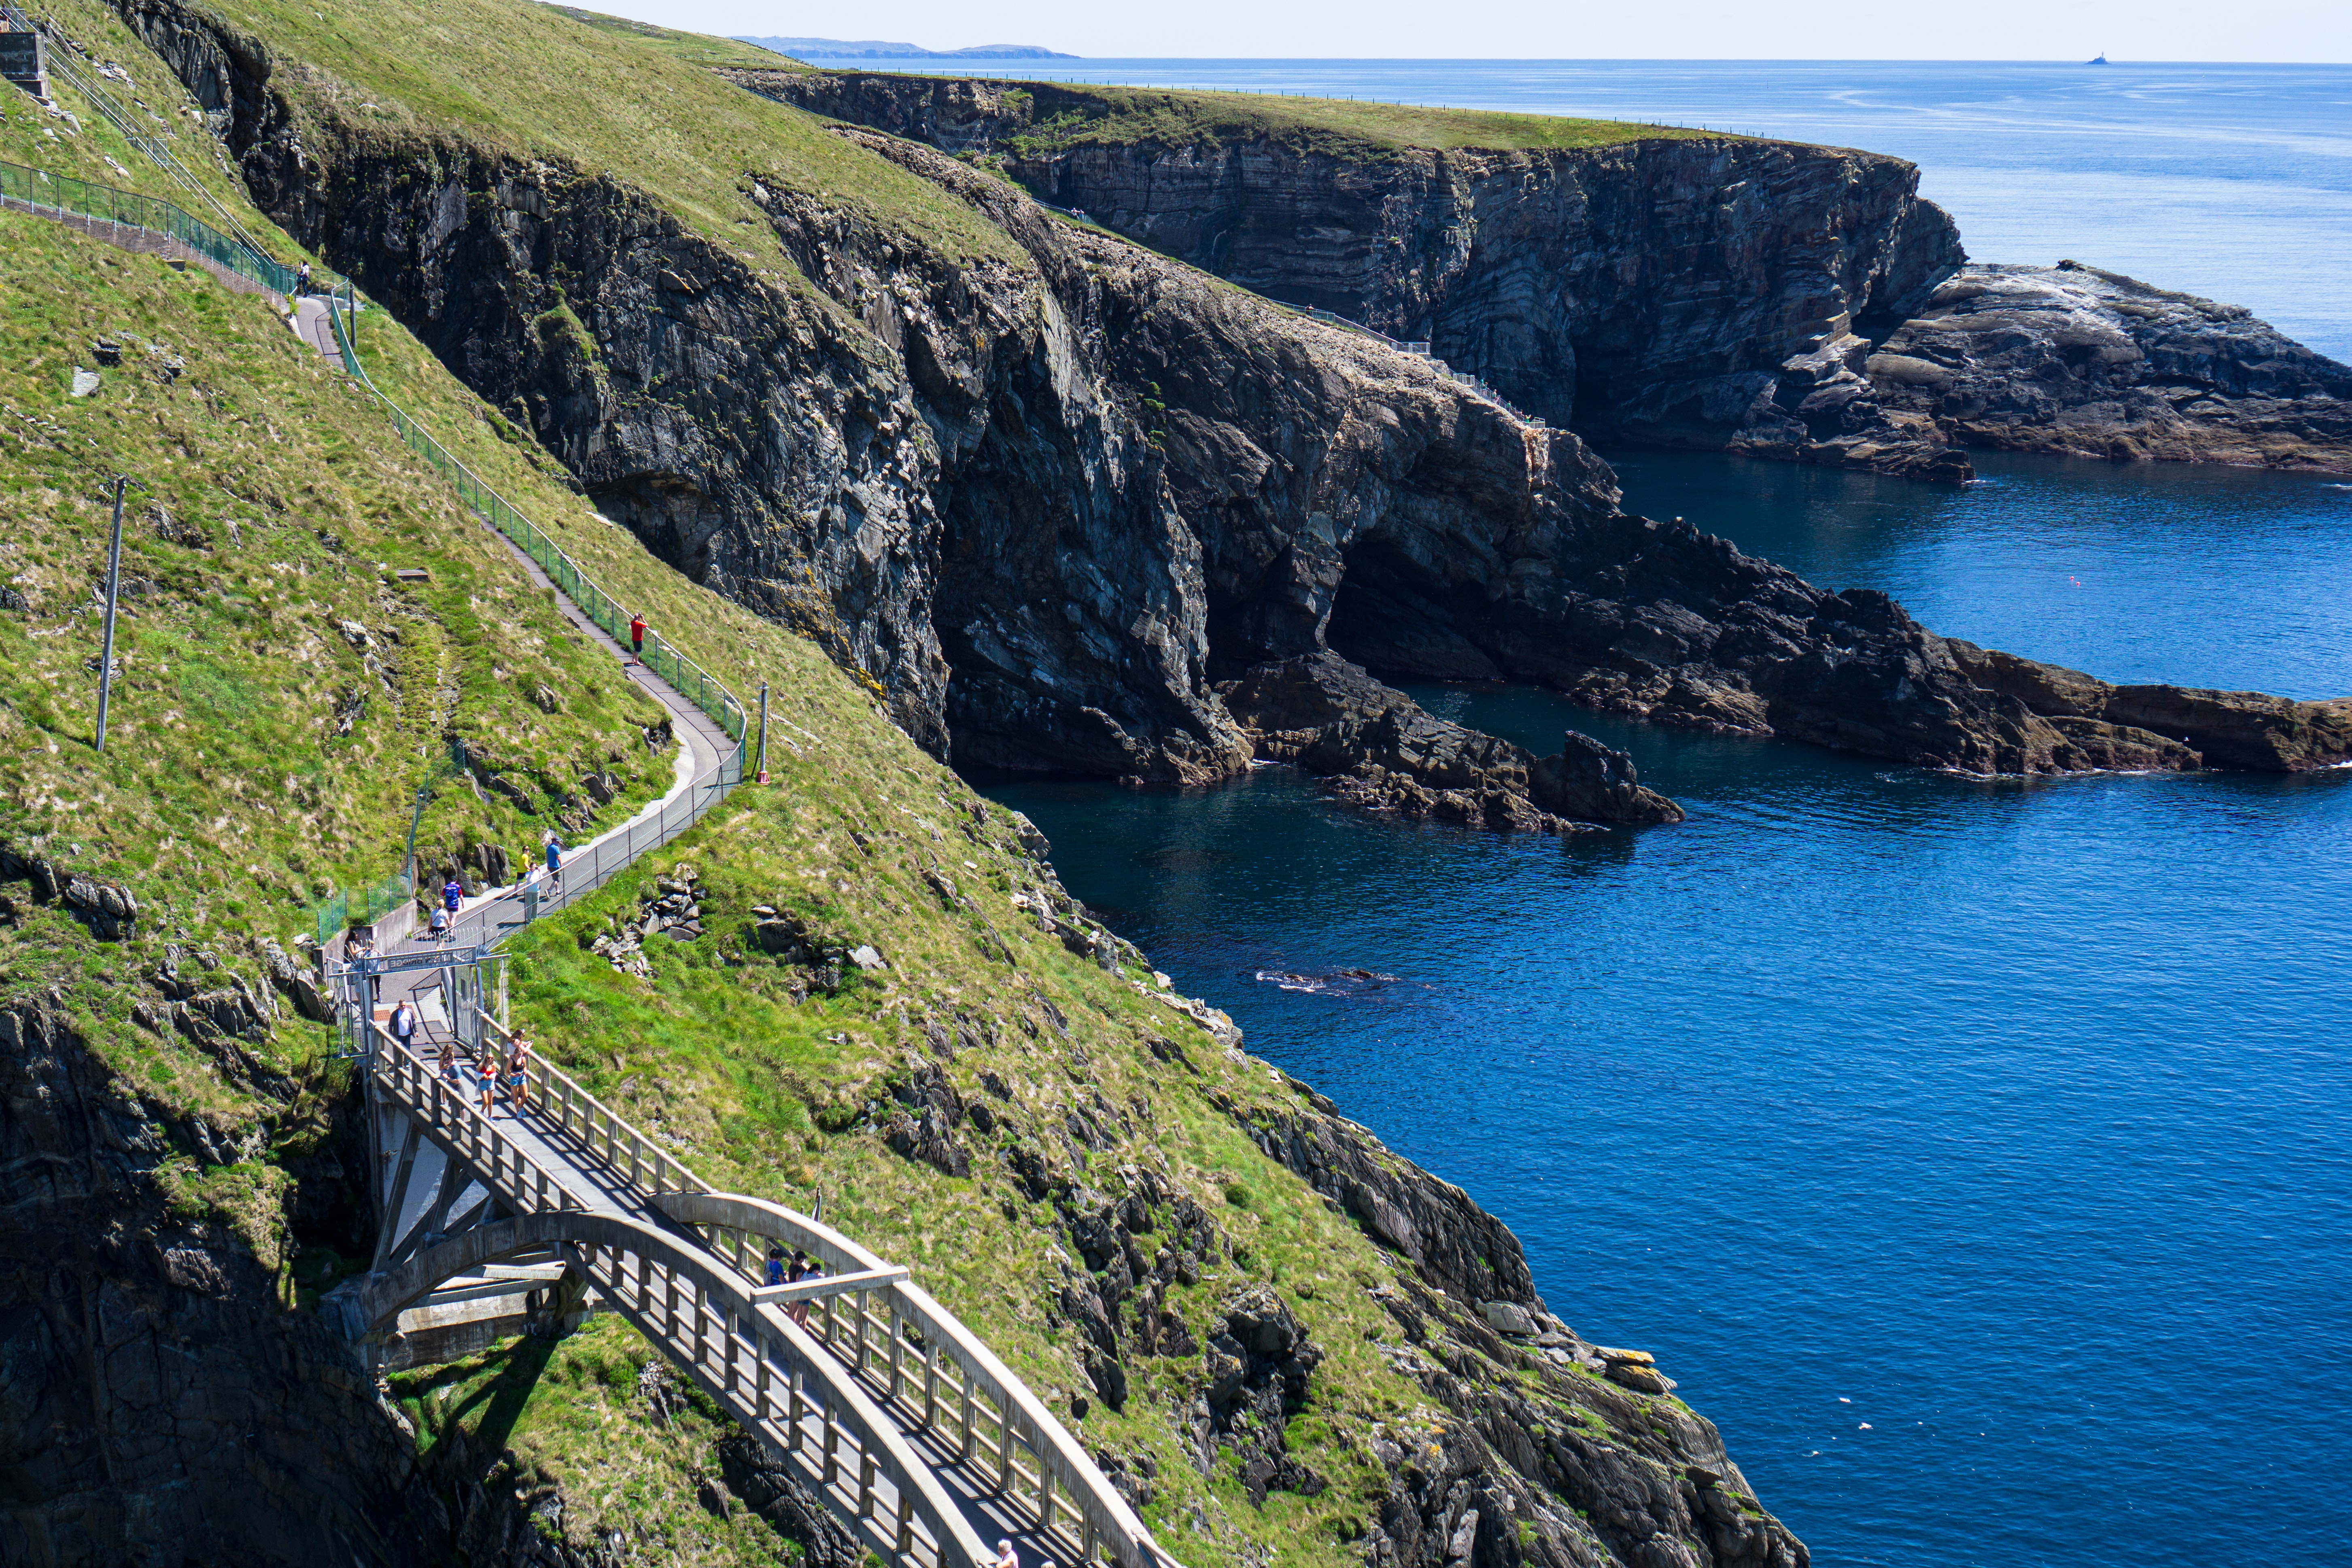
{"x": 627, "y": 1154}
{"x": 448, "y": 1108}
{"x": 918, "y": 1354}
{"x": 764, "y": 1371}
{"x": 926, "y": 1362}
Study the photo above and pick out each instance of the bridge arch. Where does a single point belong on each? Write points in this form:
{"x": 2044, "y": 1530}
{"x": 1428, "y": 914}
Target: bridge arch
{"x": 761, "y": 1367}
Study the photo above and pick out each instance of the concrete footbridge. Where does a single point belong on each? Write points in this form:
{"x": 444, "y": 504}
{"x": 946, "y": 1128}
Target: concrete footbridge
{"x": 881, "y": 1403}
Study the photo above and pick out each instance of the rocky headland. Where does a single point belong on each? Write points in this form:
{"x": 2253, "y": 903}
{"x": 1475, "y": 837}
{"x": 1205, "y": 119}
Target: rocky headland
{"x": 2072, "y": 360}
{"x": 1723, "y": 293}
{"x": 1382, "y": 751}
{"x": 1049, "y": 488}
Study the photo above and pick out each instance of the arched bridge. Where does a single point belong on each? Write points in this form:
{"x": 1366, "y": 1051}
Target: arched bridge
{"x": 885, "y": 1406}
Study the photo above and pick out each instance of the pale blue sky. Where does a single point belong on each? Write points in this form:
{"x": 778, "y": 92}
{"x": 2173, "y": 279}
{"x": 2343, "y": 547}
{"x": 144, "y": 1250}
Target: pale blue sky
{"x": 2286, "y": 30}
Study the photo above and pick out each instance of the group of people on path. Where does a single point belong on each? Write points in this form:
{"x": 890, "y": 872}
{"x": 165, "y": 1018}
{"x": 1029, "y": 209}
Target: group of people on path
{"x": 791, "y": 1270}
{"x": 483, "y": 1075}
{"x": 442, "y": 924}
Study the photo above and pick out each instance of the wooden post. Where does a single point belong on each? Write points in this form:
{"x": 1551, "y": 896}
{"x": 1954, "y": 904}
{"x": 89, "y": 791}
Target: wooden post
{"x": 963, "y": 1444}
{"x": 796, "y": 1411}
{"x": 897, "y": 1330}
{"x": 866, "y": 1480}
{"x": 930, "y": 1381}
{"x": 832, "y": 1444}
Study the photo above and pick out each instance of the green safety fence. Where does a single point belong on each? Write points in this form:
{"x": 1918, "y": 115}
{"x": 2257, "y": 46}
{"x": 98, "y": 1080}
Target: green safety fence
{"x": 64, "y": 195}
{"x": 364, "y": 907}
{"x": 705, "y": 689}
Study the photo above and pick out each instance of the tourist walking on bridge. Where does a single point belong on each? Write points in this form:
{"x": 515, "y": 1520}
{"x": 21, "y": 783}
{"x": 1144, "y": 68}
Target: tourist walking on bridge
{"x": 453, "y": 896}
{"x": 518, "y": 1072}
{"x": 403, "y": 1024}
{"x": 486, "y": 1076}
{"x": 449, "y": 1066}
{"x": 554, "y": 862}
{"x": 438, "y": 926}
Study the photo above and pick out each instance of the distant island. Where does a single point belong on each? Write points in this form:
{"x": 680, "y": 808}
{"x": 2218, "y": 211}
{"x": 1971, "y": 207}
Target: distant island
{"x": 877, "y": 49}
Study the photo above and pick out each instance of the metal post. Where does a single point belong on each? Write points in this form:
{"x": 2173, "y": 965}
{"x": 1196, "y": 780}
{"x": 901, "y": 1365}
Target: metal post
{"x": 114, "y": 589}
{"x": 763, "y": 733}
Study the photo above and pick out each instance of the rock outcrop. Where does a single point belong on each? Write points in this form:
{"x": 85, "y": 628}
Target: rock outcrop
{"x": 1380, "y": 750}
{"x": 2073, "y": 360}
{"x": 1767, "y": 298}
{"x": 1668, "y": 291}
{"x": 156, "y": 1403}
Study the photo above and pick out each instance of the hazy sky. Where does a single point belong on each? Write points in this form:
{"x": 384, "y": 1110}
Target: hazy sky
{"x": 2290, "y": 30}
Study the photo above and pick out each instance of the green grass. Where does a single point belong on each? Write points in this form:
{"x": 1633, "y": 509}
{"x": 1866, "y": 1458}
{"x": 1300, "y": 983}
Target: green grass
{"x": 225, "y": 800}
{"x": 516, "y": 78}
{"x": 228, "y": 798}
{"x": 694, "y": 48}
{"x": 1061, "y": 117}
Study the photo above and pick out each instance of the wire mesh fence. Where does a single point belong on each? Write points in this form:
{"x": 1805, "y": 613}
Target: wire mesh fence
{"x": 64, "y": 195}
{"x": 361, "y": 907}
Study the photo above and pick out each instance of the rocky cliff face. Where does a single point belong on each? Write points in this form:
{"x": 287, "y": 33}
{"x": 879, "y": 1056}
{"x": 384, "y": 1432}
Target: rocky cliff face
{"x": 1679, "y": 292}
{"x": 157, "y": 1406}
{"x": 1047, "y": 497}
{"x": 2070, "y": 359}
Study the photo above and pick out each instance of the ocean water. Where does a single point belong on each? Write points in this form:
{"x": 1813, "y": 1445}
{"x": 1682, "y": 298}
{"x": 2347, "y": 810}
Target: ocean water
{"x": 2230, "y": 181}
{"x": 1974, "y": 1153}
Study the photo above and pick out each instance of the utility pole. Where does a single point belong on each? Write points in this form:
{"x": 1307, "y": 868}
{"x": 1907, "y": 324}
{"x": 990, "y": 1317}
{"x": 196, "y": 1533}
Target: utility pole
{"x": 763, "y": 733}
{"x": 113, "y": 591}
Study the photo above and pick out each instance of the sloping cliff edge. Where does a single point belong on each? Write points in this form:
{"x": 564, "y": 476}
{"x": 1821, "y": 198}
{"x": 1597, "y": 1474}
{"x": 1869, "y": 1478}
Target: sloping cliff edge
{"x": 1720, "y": 293}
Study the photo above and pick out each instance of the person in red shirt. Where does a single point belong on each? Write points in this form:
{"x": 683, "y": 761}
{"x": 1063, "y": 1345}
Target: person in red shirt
{"x": 637, "y": 639}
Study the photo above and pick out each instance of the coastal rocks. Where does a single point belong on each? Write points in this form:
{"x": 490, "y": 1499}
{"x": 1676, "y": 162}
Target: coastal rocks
{"x": 159, "y": 1402}
{"x": 672, "y": 907}
{"x": 1651, "y": 291}
{"x": 2075, "y": 360}
{"x": 1380, "y": 750}
{"x": 2243, "y": 729}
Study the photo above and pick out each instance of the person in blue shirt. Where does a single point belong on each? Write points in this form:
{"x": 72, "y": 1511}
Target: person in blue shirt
{"x": 554, "y": 858}
{"x": 452, "y": 893}
{"x": 775, "y": 1265}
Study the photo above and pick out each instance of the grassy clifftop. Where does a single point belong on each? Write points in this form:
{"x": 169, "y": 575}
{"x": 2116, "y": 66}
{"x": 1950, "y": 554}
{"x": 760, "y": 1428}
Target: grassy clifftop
{"x": 1069, "y": 117}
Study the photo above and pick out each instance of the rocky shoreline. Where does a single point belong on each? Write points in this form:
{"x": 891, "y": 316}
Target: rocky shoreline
{"x": 1380, "y": 751}
{"x": 1093, "y": 485}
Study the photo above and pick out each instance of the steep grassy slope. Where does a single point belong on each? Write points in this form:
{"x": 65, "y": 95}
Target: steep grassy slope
{"x": 279, "y": 693}
{"x": 694, "y": 48}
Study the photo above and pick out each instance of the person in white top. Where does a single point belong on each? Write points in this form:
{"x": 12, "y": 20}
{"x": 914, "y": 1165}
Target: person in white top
{"x": 1005, "y": 1556}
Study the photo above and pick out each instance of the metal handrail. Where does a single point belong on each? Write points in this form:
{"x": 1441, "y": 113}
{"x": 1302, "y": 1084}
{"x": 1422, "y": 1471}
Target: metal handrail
{"x": 706, "y": 690}
{"x": 577, "y": 1111}
{"x": 491, "y": 1154}
{"x": 958, "y": 1378}
{"x": 156, "y": 149}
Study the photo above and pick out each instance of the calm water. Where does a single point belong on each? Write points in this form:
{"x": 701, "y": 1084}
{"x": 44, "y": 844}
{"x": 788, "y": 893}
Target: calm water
{"x": 2013, "y": 1114}
{"x": 2230, "y": 181}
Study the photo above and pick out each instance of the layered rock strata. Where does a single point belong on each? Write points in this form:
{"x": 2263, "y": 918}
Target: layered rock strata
{"x": 1669, "y": 290}
{"x": 1047, "y": 498}
{"x": 1765, "y": 298}
{"x": 1382, "y": 751}
{"x": 2070, "y": 359}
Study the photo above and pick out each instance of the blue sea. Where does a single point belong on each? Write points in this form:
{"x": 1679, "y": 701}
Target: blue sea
{"x": 1974, "y": 1153}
